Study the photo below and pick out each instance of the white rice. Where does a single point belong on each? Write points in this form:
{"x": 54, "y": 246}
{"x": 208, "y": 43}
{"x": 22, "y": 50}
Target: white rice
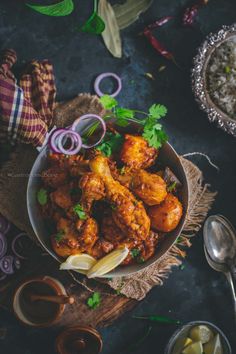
{"x": 222, "y": 77}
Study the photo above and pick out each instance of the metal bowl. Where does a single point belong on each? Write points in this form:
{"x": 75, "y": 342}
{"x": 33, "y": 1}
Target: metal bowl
{"x": 167, "y": 156}
{"x": 184, "y": 330}
{"x": 199, "y": 82}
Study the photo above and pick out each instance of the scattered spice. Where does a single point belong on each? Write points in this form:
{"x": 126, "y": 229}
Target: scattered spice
{"x": 94, "y": 301}
{"x": 191, "y": 12}
{"x": 150, "y": 76}
{"x": 156, "y": 44}
{"x": 182, "y": 267}
{"x": 122, "y": 170}
{"x": 161, "y": 68}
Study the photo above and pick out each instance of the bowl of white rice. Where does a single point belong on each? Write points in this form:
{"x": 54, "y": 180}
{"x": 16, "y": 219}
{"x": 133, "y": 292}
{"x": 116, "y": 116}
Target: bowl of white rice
{"x": 214, "y": 78}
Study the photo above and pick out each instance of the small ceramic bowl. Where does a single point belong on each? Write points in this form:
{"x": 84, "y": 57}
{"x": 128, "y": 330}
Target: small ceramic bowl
{"x": 184, "y": 330}
{"x": 37, "y": 314}
{"x": 79, "y": 339}
{"x": 199, "y": 78}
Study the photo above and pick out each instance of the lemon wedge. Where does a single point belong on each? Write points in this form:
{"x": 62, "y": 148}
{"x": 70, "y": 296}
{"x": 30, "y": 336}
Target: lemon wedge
{"x": 109, "y": 262}
{"x": 180, "y": 344}
{"x": 201, "y": 333}
{"x": 194, "y": 348}
{"x": 214, "y": 346}
{"x": 80, "y": 261}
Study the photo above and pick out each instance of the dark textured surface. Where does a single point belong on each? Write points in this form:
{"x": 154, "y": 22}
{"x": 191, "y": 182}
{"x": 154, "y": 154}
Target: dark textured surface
{"x": 197, "y": 292}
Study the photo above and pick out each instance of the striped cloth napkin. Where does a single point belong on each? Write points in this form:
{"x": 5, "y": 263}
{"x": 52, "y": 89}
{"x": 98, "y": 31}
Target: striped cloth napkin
{"x": 26, "y": 108}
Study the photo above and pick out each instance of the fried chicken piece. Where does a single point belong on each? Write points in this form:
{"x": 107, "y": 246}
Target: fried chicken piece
{"x": 101, "y": 248}
{"x": 92, "y": 189}
{"x": 128, "y": 213}
{"x": 136, "y": 152}
{"x": 65, "y": 242}
{"x": 87, "y": 233}
{"x": 54, "y": 176}
{"x": 149, "y": 187}
{"x": 76, "y": 165}
{"x": 73, "y": 239}
{"x": 110, "y": 231}
{"x": 166, "y": 216}
{"x": 62, "y": 197}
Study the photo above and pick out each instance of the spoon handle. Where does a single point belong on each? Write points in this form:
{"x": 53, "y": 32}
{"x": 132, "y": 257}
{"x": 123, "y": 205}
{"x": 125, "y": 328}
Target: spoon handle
{"x": 230, "y": 281}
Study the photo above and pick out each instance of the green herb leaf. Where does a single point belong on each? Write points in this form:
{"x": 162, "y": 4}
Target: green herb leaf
{"x": 135, "y": 252}
{"x": 112, "y": 143}
{"x": 140, "y": 260}
{"x": 78, "y": 209}
{"x": 171, "y": 187}
{"x": 42, "y": 196}
{"x": 108, "y": 102}
{"x": 154, "y": 133}
{"x": 94, "y": 301}
{"x": 227, "y": 69}
{"x": 62, "y": 8}
{"x": 157, "y": 111}
{"x": 59, "y": 236}
{"x": 122, "y": 170}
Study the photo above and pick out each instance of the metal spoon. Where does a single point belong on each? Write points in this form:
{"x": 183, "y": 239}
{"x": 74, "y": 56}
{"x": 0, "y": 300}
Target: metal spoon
{"x": 220, "y": 240}
{"x": 220, "y": 249}
{"x": 222, "y": 268}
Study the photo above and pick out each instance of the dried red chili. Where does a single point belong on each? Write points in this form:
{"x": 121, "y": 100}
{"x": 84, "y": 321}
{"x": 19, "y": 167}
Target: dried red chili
{"x": 156, "y": 44}
{"x": 191, "y": 12}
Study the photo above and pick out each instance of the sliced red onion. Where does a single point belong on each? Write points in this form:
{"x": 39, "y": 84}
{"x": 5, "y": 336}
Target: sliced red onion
{"x": 103, "y": 76}
{"x": 74, "y": 137}
{"x": 52, "y": 141}
{"x": 6, "y": 264}
{"x": 3, "y": 245}
{"x": 4, "y": 225}
{"x": 16, "y": 241}
{"x": 92, "y": 117}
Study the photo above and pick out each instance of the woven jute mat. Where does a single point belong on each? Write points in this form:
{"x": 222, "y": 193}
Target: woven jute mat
{"x": 13, "y": 184}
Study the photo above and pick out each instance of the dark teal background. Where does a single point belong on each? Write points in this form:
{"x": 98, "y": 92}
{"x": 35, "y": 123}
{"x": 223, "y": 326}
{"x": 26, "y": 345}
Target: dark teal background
{"x": 196, "y": 292}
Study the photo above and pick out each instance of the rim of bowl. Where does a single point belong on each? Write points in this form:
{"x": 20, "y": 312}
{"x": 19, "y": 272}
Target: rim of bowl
{"x": 177, "y": 333}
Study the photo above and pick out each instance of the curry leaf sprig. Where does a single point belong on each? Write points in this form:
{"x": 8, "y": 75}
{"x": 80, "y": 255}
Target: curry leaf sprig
{"x": 153, "y": 130}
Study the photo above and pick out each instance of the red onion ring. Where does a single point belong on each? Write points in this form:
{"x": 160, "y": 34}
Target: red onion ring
{"x": 52, "y": 139}
{"x": 103, "y": 76}
{"x": 6, "y": 264}
{"x": 72, "y": 135}
{"x": 94, "y": 117}
{"x": 4, "y": 224}
{"x": 13, "y": 245}
{"x": 3, "y": 245}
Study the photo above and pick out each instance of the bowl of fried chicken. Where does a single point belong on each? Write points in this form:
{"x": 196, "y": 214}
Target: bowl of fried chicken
{"x": 93, "y": 203}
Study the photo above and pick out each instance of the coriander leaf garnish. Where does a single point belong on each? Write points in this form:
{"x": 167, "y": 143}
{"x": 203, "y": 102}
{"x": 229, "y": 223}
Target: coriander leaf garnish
{"x": 111, "y": 143}
{"x": 171, "y": 187}
{"x": 62, "y": 8}
{"x": 157, "y": 111}
{"x": 78, "y": 209}
{"x": 94, "y": 301}
{"x": 42, "y": 196}
{"x": 59, "y": 236}
{"x": 154, "y": 134}
{"x": 135, "y": 252}
{"x": 123, "y": 115}
{"x": 108, "y": 102}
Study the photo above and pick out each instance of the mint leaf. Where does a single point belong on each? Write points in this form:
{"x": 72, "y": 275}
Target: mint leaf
{"x": 108, "y": 102}
{"x": 62, "y": 8}
{"x": 78, "y": 209}
{"x": 157, "y": 111}
{"x": 42, "y": 196}
{"x": 94, "y": 301}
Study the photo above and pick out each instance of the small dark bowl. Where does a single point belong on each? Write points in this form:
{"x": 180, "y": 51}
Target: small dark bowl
{"x": 199, "y": 78}
{"x": 184, "y": 330}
